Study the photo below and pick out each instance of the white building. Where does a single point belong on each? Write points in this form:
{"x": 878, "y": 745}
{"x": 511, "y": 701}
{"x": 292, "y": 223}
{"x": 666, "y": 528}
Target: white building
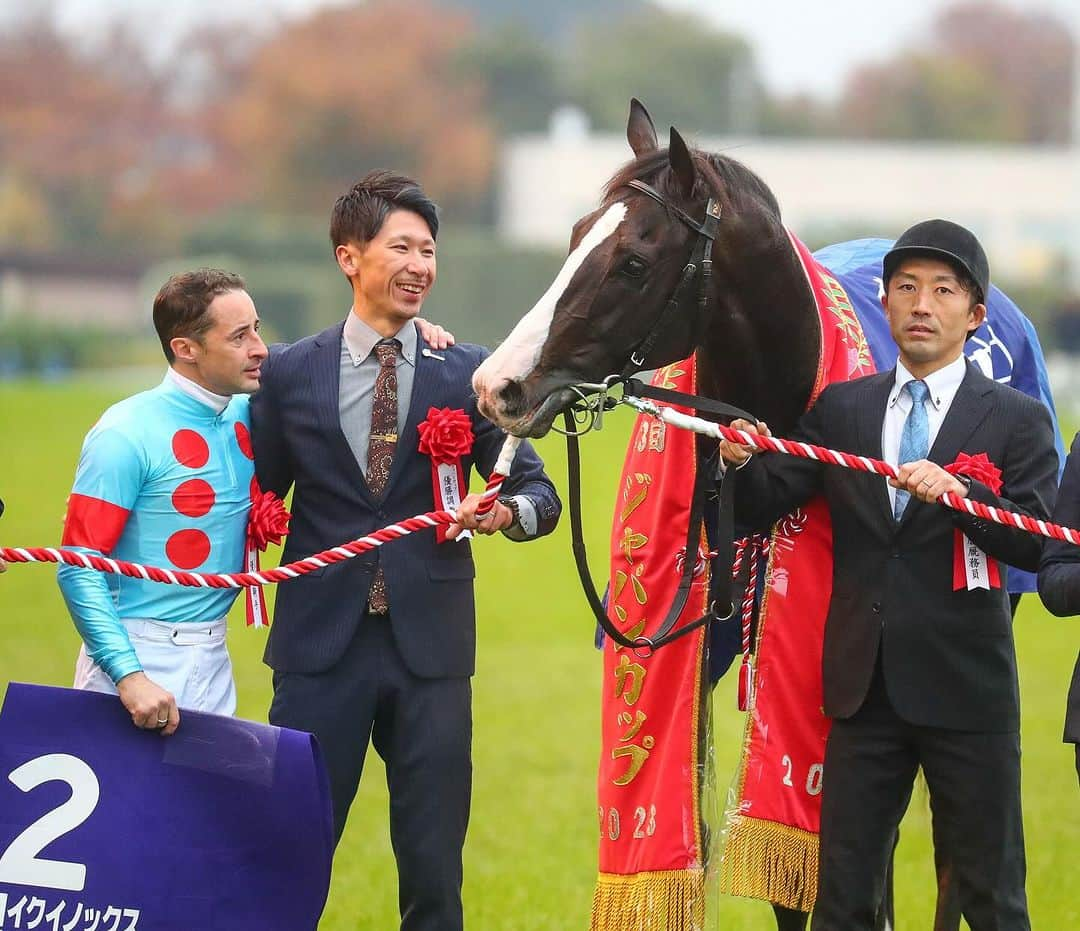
{"x": 1023, "y": 202}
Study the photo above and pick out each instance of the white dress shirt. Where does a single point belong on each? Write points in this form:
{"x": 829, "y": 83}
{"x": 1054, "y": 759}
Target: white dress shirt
{"x": 942, "y": 384}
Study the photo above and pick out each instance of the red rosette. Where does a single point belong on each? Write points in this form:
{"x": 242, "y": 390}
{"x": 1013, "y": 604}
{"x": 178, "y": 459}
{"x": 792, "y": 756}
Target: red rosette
{"x": 446, "y": 435}
{"x": 977, "y": 467}
{"x": 268, "y": 521}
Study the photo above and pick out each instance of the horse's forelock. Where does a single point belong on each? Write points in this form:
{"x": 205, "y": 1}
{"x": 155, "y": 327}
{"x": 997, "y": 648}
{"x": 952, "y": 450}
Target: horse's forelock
{"x": 717, "y": 175}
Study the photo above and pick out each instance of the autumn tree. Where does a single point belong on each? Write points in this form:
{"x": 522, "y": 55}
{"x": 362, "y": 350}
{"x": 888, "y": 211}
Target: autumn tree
{"x": 685, "y": 71}
{"x": 520, "y": 77}
{"x": 84, "y": 133}
{"x": 354, "y": 88}
{"x": 987, "y": 72}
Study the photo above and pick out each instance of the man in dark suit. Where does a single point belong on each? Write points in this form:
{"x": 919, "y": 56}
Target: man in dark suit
{"x": 1059, "y": 580}
{"x": 919, "y": 666}
{"x": 382, "y": 647}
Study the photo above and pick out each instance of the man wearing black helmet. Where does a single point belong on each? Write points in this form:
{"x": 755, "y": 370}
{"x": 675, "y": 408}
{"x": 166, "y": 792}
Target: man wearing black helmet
{"x": 919, "y": 666}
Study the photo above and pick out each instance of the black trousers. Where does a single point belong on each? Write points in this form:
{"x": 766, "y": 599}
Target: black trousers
{"x": 871, "y": 760}
{"x": 422, "y": 729}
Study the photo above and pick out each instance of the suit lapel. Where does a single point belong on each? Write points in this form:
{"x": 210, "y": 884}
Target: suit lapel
{"x": 324, "y": 367}
{"x": 969, "y": 408}
{"x": 871, "y": 415}
{"x": 425, "y": 394}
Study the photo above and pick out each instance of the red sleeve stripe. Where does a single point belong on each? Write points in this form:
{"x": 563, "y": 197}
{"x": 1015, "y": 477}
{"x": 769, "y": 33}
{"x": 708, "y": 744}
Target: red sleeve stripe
{"x": 93, "y": 523}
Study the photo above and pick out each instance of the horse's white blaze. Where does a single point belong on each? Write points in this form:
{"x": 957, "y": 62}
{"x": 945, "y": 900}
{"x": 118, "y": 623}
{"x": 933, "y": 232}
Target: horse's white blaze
{"x": 520, "y": 351}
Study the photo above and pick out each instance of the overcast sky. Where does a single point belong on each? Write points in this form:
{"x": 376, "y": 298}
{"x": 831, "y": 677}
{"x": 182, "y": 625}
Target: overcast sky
{"x": 799, "y": 46}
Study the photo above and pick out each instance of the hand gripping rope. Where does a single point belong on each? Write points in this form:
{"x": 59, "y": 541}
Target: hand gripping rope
{"x": 848, "y": 461}
{"x": 281, "y": 573}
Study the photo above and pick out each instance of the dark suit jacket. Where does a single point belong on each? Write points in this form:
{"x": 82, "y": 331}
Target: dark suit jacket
{"x": 299, "y": 443}
{"x": 1059, "y": 574}
{"x": 947, "y": 657}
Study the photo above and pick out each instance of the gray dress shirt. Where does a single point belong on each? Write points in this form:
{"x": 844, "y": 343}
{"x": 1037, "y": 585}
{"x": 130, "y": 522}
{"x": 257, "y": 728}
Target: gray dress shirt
{"x": 359, "y": 369}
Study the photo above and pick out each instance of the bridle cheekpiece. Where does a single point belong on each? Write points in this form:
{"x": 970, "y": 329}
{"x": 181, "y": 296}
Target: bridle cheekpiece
{"x": 700, "y": 258}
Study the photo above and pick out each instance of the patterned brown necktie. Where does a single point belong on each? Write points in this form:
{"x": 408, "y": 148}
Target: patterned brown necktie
{"x": 383, "y": 440}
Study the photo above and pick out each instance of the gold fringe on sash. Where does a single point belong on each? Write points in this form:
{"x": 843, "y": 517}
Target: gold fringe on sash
{"x": 664, "y": 900}
{"x": 770, "y": 861}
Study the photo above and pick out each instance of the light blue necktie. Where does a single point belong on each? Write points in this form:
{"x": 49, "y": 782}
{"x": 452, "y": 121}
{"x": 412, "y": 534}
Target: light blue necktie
{"x": 915, "y": 440}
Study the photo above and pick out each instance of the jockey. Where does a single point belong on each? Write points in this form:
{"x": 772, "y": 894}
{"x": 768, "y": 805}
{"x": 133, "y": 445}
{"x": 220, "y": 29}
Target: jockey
{"x": 165, "y": 478}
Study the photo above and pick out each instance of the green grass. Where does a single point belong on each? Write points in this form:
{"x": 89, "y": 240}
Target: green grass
{"x": 530, "y": 861}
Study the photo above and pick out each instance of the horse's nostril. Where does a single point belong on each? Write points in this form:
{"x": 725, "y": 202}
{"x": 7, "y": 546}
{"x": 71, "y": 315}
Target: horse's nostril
{"x": 512, "y": 397}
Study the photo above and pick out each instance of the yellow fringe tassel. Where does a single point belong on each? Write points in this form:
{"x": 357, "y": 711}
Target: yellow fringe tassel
{"x": 665, "y": 900}
{"x": 770, "y": 861}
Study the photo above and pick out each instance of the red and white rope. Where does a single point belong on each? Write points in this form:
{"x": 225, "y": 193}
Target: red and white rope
{"x": 498, "y": 476}
{"x": 848, "y": 461}
{"x": 284, "y": 573}
{"x": 231, "y": 579}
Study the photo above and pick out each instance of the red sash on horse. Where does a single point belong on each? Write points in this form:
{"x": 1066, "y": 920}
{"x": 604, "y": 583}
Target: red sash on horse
{"x": 772, "y": 843}
{"x": 652, "y": 866}
{"x": 652, "y": 763}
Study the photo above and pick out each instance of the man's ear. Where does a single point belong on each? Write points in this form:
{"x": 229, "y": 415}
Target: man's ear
{"x": 978, "y": 315}
{"x": 183, "y": 348}
{"x": 347, "y": 256}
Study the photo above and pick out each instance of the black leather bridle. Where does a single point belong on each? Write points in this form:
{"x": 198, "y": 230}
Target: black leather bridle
{"x": 700, "y": 261}
{"x": 699, "y": 264}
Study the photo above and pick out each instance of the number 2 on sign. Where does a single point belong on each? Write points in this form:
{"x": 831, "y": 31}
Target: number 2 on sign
{"x": 20, "y": 863}
{"x": 813, "y": 776}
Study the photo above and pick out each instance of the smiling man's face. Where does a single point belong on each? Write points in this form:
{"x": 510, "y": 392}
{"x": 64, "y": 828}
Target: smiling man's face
{"x": 930, "y": 314}
{"x": 392, "y": 274}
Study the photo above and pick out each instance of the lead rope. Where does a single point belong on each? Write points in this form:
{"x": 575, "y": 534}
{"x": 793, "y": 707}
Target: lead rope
{"x": 284, "y": 573}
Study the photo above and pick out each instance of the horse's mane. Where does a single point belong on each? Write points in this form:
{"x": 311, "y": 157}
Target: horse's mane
{"x": 716, "y": 173}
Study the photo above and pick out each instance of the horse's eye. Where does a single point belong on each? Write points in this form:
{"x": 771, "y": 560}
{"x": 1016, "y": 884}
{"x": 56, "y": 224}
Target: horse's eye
{"x": 633, "y": 267}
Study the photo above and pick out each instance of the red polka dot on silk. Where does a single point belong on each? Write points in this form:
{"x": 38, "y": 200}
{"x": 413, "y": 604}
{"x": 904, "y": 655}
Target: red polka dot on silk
{"x": 188, "y": 549}
{"x": 190, "y": 449}
{"x": 194, "y": 498}
{"x": 243, "y": 440}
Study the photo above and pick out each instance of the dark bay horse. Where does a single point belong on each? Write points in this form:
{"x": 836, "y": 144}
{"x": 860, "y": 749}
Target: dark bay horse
{"x": 756, "y": 338}
{"x": 753, "y": 322}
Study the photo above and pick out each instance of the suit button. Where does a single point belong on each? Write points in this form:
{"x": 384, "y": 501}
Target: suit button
{"x": 381, "y": 515}
{"x": 895, "y": 555}
{"x": 876, "y": 607}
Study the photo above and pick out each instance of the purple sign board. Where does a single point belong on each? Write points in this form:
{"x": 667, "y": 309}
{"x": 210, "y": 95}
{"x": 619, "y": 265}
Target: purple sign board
{"x": 224, "y": 826}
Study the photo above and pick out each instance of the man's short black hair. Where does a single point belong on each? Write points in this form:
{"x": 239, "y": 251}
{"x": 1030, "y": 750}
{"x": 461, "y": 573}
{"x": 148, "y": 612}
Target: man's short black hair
{"x": 360, "y": 212}
{"x": 182, "y": 306}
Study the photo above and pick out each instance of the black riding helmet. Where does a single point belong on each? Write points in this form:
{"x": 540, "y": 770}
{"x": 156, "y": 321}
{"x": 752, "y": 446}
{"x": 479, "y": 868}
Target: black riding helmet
{"x": 944, "y": 240}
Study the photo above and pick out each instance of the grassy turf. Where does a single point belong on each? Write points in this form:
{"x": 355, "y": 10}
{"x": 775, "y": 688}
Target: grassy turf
{"x": 531, "y": 855}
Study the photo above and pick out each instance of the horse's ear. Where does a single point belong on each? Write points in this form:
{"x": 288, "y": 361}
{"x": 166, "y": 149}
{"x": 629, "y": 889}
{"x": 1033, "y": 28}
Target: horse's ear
{"x": 640, "y": 131}
{"x": 682, "y": 163}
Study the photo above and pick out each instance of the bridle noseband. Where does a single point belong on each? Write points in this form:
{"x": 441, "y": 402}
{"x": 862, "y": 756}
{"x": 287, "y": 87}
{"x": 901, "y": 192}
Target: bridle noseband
{"x": 700, "y": 258}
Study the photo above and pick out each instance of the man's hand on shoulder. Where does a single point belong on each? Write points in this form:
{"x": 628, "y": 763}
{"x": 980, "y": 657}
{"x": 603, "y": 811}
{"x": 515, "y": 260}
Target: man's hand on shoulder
{"x": 435, "y": 336}
{"x": 499, "y": 518}
{"x": 151, "y": 707}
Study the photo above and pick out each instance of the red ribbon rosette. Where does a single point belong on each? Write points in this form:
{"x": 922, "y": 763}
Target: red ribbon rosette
{"x": 446, "y": 436}
{"x": 977, "y": 467}
{"x": 268, "y": 522}
{"x": 971, "y": 567}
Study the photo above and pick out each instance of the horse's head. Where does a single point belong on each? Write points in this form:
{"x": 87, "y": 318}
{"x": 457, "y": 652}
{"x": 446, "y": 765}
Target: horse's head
{"x": 626, "y": 261}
